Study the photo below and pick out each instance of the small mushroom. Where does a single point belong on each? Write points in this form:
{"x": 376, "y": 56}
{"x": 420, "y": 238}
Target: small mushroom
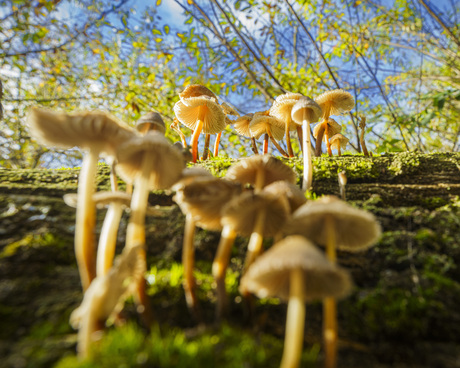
{"x": 264, "y": 124}
{"x": 338, "y": 142}
{"x": 362, "y": 126}
{"x": 342, "y": 184}
{"x": 335, "y": 102}
{"x": 295, "y": 271}
{"x": 281, "y": 109}
{"x": 151, "y": 121}
{"x": 332, "y": 128}
{"x": 241, "y": 126}
{"x": 94, "y": 133}
{"x": 305, "y": 112}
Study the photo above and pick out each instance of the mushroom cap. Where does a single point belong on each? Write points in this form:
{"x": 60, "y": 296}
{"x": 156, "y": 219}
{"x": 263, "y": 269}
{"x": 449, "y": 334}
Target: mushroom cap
{"x": 153, "y": 119}
{"x": 260, "y": 123}
{"x": 269, "y": 275}
{"x": 245, "y": 171}
{"x": 189, "y": 110}
{"x": 196, "y": 90}
{"x": 241, "y": 212}
{"x": 339, "y": 140}
{"x": 229, "y": 109}
{"x": 333, "y": 128}
{"x": 291, "y": 192}
{"x": 168, "y": 160}
{"x": 283, "y": 104}
{"x": 241, "y": 125}
{"x": 309, "y": 107}
{"x": 87, "y": 130}
{"x": 101, "y": 199}
{"x": 337, "y": 100}
{"x": 190, "y": 174}
{"x": 204, "y": 199}
{"x": 355, "y": 229}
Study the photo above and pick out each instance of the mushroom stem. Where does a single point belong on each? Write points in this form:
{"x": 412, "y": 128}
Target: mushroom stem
{"x": 295, "y": 321}
{"x": 362, "y": 125}
{"x": 339, "y": 152}
{"x": 113, "y": 177}
{"x": 219, "y": 267}
{"x": 188, "y": 261}
{"x": 328, "y": 143}
{"x": 278, "y": 147}
{"x": 207, "y": 140}
{"x": 216, "y": 144}
{"x": 299, "y": 130}
{"x": 307, "y": 162}
{"x": 319, "y": 139}
{"x": 288, "y": 137}
{"x": 108, "y": 239}
{"x": 260, "y": 180}
{"x": 265, "y": 143}
{"x": 89, "y": 326}
{"x": 329, "y": 304}
{"x": 255, "y": 241}
{"x": 86, "y": 220}
{"x": 194, "y": 141}
{"x": 254, "y": 146}
{"x": 176, "y": 128}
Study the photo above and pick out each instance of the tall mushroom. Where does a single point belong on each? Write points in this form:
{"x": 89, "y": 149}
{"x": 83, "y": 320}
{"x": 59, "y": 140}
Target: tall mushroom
{"x": 199, "y": 110}
{"x": 281, "y": 109}
{"x": 335, "y": 102}
{"x": 295, "y": 271}
{"x": 94, "y": 133}
{"x": 305, "y": 112}
{"x": 335, "y": 224}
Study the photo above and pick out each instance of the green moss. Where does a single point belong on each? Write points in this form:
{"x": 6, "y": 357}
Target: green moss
{"x": 404, "y": 163}
{"x": 32, "y": 240}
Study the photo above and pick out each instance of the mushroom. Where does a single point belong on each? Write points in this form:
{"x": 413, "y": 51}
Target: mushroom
{"x": 175, "y": 126}
{"x": 305, "y": 112}
{"x": 291, "y": 192}
{"x": 270, "y": 127}
{"x": 281, "y": 109}
{"x": 149, "y": 163}
{"x": 335, "y": 224}
{"x": 200, "y": 198}
{"x": 116, "y": 202}
{"x": 198, "y": 109}
{"x": 228, "y": 110}
{"x": 338, "y": 142}
{"x": 151, "y": 121}
{"x": 105, "y": 297}
{"x": 295, "y": 271}
{"x": 332, "y": 128}
{"x": 94, "y": 133}
{"x": 241, "y": 126}
{"x": 342, "y": 184}
{"x": 335, "y": 102}
{"x": 362, "y": 125}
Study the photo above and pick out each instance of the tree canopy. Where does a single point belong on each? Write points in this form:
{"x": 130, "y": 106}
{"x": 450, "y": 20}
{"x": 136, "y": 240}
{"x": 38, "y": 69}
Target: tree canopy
{"x": 399, "y": 59}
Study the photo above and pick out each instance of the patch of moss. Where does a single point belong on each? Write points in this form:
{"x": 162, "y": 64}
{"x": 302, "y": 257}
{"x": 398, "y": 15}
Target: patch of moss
{"x": 33, "y": 241}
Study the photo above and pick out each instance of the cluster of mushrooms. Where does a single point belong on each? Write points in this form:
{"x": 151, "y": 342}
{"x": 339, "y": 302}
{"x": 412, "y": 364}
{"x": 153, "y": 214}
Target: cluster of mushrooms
{"x": 258, "y": 199}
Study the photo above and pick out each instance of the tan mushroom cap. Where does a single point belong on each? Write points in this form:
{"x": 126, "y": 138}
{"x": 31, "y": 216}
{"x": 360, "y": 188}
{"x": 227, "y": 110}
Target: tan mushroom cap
{"x": 95, "y": 130}
{"x": 241, "y": 213}
{"x": 188, "y": 113}
{"x": 260, "y": 123}
{"x": 291, "y": 192}
{"x": 269, "y": 275}
{"x": 333, "y": 128}
{"x": 310, "y": 107}
{"x": 355, "y": 229}
{"x": 283, "y": 104}
{"x": 101, "y": 199}
{"x": 190, "y": 174}
{"x": 152, "y": 118}
{"x": 168, "y": 161}
{"x": 337, "y": 100}
{"x": 196, "y": 90}
{"x": 339, "y": 140}
{"x": 241, "y": 125}
{"x": 245, "y": 171}
{"x": 204, "y": 199}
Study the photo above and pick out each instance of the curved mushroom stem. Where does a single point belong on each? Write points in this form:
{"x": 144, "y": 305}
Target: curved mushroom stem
{"x": 254, "y": 146}
{"x": 216, "y": 144}
{"x": 207, "y": 140}
{"x": 307, "y": 162}
{"x": 288, "y": 137}
{"x": 255, "y": 241}
{"x": 339, "y": 152}
{"x": 328, "y": 143}
{"x": 188, "y": 261}
{"x": 176, "y": 128}
{"x": 108, "y": 239}
{"x": 319, "y": 139}
{"x": 329, "y": 304}
{"x": 219, "y": 268}
{"x": 194, "y": 141}
{"x": 113, "y": 176}
{"x": 299, "y": 131}
{"x": 86, "y": 220}
{"x": 278, "y": 147}
{"x": 362, "y": 125}
{"x": 265, "y": 151}
{"x": 295, "y": 322}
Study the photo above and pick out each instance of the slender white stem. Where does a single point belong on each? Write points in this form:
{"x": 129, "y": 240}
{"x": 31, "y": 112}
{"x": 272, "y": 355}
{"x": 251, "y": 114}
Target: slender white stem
{"x": 85, "y": 222}
{"x": 307, "y": 162}
{"x": 295, "y": 321}
{"x": 108, "y": 238}
{"x": 255, "y": 241}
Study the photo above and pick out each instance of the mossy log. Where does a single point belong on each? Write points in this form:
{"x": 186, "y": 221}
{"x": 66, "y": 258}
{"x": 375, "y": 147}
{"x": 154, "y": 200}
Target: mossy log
{"x": 404, "y": 311}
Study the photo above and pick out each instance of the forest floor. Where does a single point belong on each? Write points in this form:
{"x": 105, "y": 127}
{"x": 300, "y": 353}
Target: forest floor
{"x": 404, "y": 310}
